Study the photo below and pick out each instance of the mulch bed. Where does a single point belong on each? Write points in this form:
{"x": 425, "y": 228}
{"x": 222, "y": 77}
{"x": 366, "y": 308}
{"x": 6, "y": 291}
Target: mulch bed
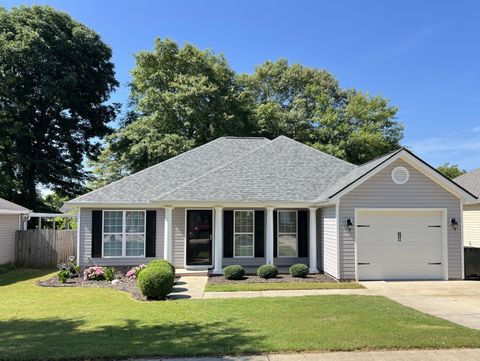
{"x": 125, "y": 284}
{"x": 281, "y": 278}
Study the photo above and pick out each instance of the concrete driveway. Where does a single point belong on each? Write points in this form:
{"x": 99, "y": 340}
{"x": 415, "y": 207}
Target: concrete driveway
{"x": 456, "y": 301}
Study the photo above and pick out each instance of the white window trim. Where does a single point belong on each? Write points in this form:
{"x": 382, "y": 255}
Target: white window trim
{"x": 124, "y": 233}
{"x": 278, "y": 232}
{"x": 235, "y": 232}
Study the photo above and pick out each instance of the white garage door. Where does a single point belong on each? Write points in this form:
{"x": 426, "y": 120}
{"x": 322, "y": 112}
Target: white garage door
{"x": 395, "y": 245}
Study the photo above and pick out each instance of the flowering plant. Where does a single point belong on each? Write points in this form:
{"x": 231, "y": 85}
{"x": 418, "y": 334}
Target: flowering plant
{"x": 95, "y": 273}
{"x": 133, "y": 272}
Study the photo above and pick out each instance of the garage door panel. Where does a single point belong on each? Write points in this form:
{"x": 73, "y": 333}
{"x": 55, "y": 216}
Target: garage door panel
{"x": 399, "y": 245}
{"x": 404, "y": 271}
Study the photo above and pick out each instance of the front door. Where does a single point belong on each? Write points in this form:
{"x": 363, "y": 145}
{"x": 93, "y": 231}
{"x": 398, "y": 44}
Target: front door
{"x": 199, "y": 237}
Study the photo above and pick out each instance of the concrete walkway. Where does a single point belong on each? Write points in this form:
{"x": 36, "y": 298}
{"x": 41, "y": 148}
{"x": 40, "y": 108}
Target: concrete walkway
{"x": 412, "y": 355}
{"x": 189, "y": 287}
{"x": 286, "y": 293}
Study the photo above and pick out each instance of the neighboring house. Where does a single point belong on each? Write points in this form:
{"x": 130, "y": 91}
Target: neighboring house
{"x": 471, "y": 213}
{"x": 10, "y": 221}
{"x": 254, "y": 201}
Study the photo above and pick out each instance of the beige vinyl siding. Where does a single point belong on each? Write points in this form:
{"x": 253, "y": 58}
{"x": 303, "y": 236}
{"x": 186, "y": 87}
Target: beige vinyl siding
{"x": 86, "y": 243}
{"x": 381, "y": 192}
{"x": 471, "y": 221}
{"x": 8, "y": 226}
{"x": 328, "y": 225}
{"x": 178, "y": 239}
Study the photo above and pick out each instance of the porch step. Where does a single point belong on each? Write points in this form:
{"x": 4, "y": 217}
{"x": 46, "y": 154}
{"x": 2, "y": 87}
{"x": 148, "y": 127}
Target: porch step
{"x": 181, "y": 272}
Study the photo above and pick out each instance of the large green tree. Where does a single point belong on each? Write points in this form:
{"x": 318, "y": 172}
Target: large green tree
{"x": 451, "y": 171}
{"x": 55, "y": 78}
{"x": 181, "y": 98}
{"x": 307, "y": 104}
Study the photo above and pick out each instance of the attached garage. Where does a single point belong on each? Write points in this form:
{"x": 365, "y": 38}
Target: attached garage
{"x": 400, "y": 244}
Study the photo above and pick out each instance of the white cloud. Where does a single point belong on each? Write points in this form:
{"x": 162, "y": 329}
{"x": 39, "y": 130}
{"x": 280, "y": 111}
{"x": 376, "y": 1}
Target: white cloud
{"x": 462, "y": 148}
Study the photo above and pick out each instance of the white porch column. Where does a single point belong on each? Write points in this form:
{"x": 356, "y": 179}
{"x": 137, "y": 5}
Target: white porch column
{"x": 269, "y": 237}
{"x": 167, "y": 245}
{"x": 218, "y": 239}
{"x": 312, "y": 245}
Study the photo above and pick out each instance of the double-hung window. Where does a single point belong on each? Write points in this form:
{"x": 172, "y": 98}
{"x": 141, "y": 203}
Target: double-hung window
{"x": 244, "y": 229}
{"x": 287, "y": 233}
{"x": 123, "y": 233}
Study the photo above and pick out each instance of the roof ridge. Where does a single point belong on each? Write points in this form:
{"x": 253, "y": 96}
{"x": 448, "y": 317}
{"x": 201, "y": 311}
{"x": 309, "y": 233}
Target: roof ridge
{"x": 215, "y": 169}
{"x": 144, "y": 170}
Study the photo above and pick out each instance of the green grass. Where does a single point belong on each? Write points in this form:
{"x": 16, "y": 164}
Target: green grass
{"x": 235, "y": 287}
{"x": 86, "y": 323}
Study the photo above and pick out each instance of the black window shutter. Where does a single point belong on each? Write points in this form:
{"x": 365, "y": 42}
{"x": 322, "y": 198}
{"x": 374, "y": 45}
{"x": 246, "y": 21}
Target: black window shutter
{"x": 151, "y": 233}
{"x": 96, "y": 234}
{"x": 228, "y": 234}
{"x": 274, "y": 233}
{"x": 259, "y": 233}
{"x": 302, "y": 233}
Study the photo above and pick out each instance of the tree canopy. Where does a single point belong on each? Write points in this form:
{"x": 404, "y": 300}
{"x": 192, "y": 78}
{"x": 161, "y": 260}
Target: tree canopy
{"x": 55, "y": 78}
{"x": 451, "y": 170}
{"x": 180, "y": 98}
{"x": 183, "y": 97}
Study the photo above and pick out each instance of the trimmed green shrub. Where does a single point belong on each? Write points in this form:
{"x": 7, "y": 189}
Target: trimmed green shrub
{"x": 298, "y": 270}
{"x": 156, "y": 281}
{"x": 267, "y": 271}
{"x": 162, "y": 262}
{"x": 235, "y": 272}
{"x": 109, "y": 273}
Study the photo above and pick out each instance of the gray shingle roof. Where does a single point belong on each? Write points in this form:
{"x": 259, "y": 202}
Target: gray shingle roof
{"x": 231, "y": 169}
{"x": 150, "y": 183}
{"x": 7, "y": 206}
{"x": 470, "y": 181}
{"x": 237, "y": 170}
{"x": 283, "y": 170}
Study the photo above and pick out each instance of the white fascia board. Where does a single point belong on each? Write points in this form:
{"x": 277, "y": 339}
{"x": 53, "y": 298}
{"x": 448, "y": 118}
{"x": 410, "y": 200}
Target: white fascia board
{"x": 11, "y": 211}
{"x": 450, "y": 186}
{"x": 193, "y": 204}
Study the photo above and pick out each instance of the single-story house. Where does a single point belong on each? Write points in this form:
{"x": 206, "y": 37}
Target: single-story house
{"x": 471, "y": 212}
{"x": 254, "y": 201}
{"x": 10, "y": 221}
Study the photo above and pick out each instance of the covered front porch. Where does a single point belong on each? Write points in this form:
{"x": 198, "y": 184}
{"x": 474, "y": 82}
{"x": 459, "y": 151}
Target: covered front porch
{"x": 218, "y": 236}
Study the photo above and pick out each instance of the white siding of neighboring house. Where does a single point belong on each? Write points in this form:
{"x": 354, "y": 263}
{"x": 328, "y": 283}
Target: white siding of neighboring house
{"x": 86, "y": 243}
{"x": 381, "y": 192}
{"x": 471, "y": 221}
{"x": 8, "y": 226}
{"x": 329, "y": 239}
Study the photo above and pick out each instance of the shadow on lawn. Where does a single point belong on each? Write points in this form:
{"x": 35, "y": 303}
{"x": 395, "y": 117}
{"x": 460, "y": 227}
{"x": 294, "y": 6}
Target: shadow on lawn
{"x": 22, "y": 274}
{"x": 64, "y": 339}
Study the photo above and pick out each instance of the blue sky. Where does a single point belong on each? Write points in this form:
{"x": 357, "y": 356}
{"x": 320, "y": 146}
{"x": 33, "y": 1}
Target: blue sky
{"x": 424, "y": 56}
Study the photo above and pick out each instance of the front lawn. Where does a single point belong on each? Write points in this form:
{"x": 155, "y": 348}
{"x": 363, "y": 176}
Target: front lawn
{"x": 235, "y": 287}
{"x": 72, "y": 323}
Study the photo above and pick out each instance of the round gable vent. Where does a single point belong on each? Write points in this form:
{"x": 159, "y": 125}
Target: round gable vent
{"x": 400, "y": 175}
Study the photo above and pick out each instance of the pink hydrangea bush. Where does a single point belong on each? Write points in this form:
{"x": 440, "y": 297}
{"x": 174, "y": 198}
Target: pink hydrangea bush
{"x": 133, "y": 272}
{"x": 94, "y": 273}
